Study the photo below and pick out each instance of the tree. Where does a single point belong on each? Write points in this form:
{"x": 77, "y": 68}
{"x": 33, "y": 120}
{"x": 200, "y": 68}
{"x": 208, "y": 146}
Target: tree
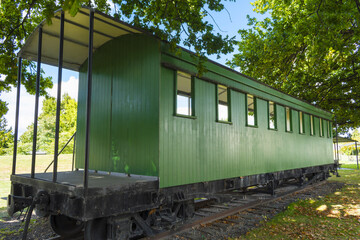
{"x": 46, "y": 127}
{"x": 17, "y": 21}
{"x": 6, "y": 137}
{"x": 349, "y": 149}
{"x": 170, "y": 20}
{"x": 309, "y": 49}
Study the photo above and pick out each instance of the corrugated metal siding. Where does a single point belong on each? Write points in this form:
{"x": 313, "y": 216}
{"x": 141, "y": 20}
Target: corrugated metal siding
{"x": 204, "y": 150}
{"x": 125, "y": 107}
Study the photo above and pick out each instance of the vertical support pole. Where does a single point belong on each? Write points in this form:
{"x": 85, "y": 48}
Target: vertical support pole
{"x": 17, "y": 116}
{"x": 37, "y": 95}
{"x": 58, "y": 102}
{"x": 357, "y": 155}
{"x": 337, "y": 142}
{"x": 88, "y": 101}
{"x": 73, "y": 155}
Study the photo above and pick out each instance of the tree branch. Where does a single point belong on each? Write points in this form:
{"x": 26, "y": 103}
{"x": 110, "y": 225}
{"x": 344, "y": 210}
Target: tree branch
{"x": 357, "y": 5}
{"x": 22, "y": 22}
{"x": 213, "y": 20}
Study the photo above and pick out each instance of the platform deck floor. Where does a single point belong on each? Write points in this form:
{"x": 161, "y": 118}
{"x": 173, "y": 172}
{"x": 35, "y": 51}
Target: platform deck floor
{"x": 96, "y": 180}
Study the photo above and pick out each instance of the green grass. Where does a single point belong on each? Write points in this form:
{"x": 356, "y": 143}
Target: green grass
{"x": 351, "y": 166}
{"x": 23, "y": 165}
{"x": 336, "y": 216}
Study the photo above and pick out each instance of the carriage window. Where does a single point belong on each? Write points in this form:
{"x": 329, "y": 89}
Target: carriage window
{"x": 288, "y": 120}
{"x": 251, "y": 110}
{"x": 321, "y": 129}
{"x": 329, "y": 129}
{"x": 184, "y": 94}
{"x": 312, "y": 130}
{"x": 301, "y": 122}
{"x": 223, "y": 113}
{"x": 272, "y": 115}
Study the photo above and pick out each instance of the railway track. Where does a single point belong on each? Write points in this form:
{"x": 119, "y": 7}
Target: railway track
{"x": 79, "y": 237}
{"x": 242, "y": 212}
{"x": 237, "y": 216}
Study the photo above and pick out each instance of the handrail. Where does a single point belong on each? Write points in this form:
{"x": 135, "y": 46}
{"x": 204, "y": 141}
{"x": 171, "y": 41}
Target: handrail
{"x": 61, "y": 151}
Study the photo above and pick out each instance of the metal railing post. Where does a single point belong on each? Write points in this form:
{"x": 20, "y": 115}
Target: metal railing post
{"x": 88, "y": 102}
{"x": 73, "y": 155}
{"x": 58, "y": 102}
{"x": 357, "y": 155}
{"x": 38, "y": 73}
{"x": 17, "y": 117}
{"x": 337, "y": 142}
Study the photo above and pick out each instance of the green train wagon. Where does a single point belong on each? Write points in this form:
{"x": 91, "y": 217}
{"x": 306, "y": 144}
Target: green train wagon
{"x": 154, "y": 134}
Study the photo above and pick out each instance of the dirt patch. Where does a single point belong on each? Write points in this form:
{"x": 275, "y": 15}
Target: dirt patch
{"x": 13, "y": 227}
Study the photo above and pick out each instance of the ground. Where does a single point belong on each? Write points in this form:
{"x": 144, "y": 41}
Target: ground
{"x": 336, "y": 216}
{"x": 11, "y": 228}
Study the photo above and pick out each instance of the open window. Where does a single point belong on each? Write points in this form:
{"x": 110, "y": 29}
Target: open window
{"x": 288, "y": 119}
{"x": 184, "y": 94}
{"x": 251, "y": 119}
{"x": 272, "y": 115}
{"x": 223, "y": 109}
{"x": 312, "y": 130}
{"x": 301, "y": 123}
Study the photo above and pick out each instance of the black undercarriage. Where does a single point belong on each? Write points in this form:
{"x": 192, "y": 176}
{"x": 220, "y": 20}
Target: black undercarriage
{"x": 118, "y": 206}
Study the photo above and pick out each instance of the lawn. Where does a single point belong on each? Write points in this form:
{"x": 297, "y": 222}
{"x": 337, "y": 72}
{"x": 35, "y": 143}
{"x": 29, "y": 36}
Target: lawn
{"x": 24, "y": 166}
{"x": 336, "y": 216}
{"x": 352, "y": 166}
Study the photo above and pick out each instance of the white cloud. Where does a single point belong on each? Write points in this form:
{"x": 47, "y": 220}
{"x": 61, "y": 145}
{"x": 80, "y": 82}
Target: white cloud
{"x": 27, "y": 102}
{"x": 70, "y": 87}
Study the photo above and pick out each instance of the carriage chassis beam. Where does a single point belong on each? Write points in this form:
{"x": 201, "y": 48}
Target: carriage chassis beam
{"x": 70, "y": 201}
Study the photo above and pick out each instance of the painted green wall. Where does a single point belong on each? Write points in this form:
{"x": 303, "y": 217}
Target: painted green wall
{"x": 124, "y": 135}
{"x": 231, "y": 78}
{"x": 134, "y": 130}
{"x": 206, "y": 150}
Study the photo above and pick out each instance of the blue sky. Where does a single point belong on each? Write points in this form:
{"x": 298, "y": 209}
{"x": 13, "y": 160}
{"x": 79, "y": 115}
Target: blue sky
{"x": 228, "y": 21}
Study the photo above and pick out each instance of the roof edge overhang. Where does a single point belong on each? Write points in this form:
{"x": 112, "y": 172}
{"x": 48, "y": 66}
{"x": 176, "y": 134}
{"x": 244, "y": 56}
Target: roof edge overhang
{"x": 76, "y": 37}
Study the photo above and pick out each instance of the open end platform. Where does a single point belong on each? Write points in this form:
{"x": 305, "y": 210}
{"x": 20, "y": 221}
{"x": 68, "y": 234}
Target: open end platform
{"x": 73, "y": 181}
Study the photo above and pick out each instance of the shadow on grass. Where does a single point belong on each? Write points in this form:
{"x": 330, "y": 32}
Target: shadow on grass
{"x": 335, "y": 216}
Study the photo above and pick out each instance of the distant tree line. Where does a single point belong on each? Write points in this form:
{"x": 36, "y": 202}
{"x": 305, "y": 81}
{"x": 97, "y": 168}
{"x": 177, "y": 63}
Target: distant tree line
{"x": 349, "y": 149}
{"x": 46, "y": 129}
{"x": 6, "y": 137}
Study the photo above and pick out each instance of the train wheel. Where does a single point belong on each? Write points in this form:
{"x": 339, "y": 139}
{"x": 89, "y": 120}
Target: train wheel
{"x": 96, "y": 229}
{"x": 65, "y": 226}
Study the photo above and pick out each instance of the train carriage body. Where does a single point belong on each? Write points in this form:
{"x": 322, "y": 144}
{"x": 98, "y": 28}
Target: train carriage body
{"x": 159, "y": 134}
{"x": 135, "y": 128}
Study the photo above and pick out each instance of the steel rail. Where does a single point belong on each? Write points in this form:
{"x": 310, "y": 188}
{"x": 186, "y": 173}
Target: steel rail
{"x": 79, "y": 236}
{"x": 230, "y": 212}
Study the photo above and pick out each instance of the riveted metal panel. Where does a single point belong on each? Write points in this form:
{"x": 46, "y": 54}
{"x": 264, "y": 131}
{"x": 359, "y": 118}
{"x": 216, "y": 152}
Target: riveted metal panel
{"x": 201, "y": 149}
{"x": 125, "y": 107}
